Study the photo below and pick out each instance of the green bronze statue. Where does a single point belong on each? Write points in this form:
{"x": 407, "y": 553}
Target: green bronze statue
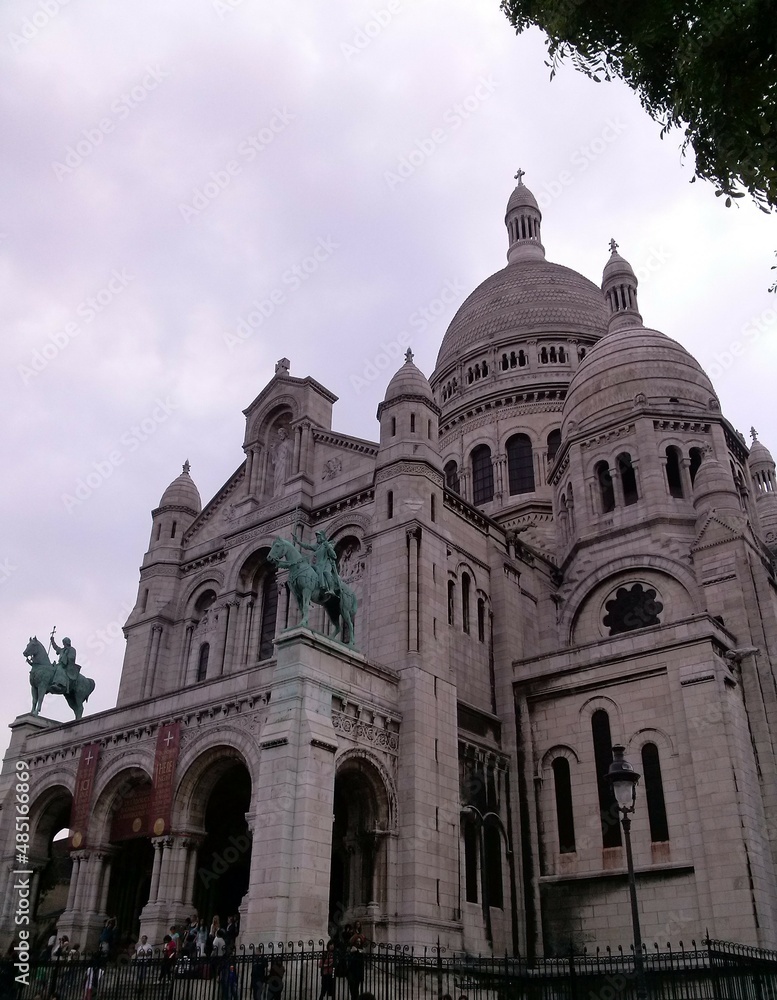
{"x": 61, "y": 677}
{"x": 317, "y": 583}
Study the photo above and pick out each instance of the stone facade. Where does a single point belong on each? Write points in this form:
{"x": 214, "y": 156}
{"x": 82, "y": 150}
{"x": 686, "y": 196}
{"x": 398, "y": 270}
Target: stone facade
{"x": 558, "y": 543}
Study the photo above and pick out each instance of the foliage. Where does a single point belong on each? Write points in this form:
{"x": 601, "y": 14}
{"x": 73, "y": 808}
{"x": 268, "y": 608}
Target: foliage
{"x": 708, "y": 67}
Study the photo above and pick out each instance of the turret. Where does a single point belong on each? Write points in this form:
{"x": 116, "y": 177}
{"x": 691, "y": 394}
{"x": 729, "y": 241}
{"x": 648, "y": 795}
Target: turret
{"x": 619, "y": 284}
{"x": 179, "y": 506}
{"x": 762, "y": 472}
{"x": 522, "y": 219}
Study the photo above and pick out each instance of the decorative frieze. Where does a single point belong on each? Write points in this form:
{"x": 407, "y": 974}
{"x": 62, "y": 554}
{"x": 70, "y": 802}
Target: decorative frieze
{"x": 366, "y": 732}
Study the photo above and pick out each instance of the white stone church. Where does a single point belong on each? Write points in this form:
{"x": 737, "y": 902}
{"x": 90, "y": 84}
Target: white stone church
{"x": 558, "y": 544}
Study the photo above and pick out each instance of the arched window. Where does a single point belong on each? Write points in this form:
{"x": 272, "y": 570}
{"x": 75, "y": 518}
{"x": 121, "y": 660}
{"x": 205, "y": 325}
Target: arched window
{"x": 482, "y": 475}
{"x": 451, "y": 473}
{"x": 673, "y": 477}
{"x": 471, "y": 861}
{"x": 390, "y": 504}
{"x": 628, "y": 478}
{"x": 412, "y": 423}
{"x": 554, "y": 440}
{"x": 695, "y": 455}
{"x": 654, "y": 793}
{"x": 631, "y": 609}
{"x": 451, "y": 602}
{"x": 492, "y": 848}
{"x": 608, "y": 807}
{"x": 565, "y": 821}
{"x": 465, "y": 601}
{"x": 269, "y": 614}
{"x": 606, "y": 489}
{"x": 520, "y": 464}
{"x": 481, "y": 620}
{"x": 173, "y": 529}
{"x": 202, "y": 662}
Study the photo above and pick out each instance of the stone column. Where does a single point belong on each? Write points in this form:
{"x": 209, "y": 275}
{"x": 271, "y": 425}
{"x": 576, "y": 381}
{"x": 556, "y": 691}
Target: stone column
{"x": 413, "y": 546}
{"x": 187, "y": 653}
{"x": 288, "y": 896}
{"x": 231, "y": 637}
{"x": 218, "y": 646}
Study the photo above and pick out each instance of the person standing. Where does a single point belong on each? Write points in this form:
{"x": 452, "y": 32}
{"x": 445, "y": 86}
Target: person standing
{"x": 327, "y": 966}
{"x": 275, "y": 978}
{"x": 143, "y": 955}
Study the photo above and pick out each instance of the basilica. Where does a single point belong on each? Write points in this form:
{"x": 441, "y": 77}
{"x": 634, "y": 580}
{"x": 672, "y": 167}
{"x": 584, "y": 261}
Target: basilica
{"x": 557, "y": 544}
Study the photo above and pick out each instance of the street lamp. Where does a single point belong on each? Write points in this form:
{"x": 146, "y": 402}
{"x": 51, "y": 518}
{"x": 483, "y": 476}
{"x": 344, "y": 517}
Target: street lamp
{"x": 623, "y": 780}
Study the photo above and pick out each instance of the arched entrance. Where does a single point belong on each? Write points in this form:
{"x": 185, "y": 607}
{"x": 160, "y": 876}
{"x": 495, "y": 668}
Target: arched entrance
{"x": 131, "y": 856}
{"x": 361, "y": 821}
{"x": 50, "y": 856}
{"x": 224, "y": 857}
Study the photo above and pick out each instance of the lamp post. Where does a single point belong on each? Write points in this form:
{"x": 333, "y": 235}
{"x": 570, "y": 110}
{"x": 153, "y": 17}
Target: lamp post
{"x": 623, "y": 779}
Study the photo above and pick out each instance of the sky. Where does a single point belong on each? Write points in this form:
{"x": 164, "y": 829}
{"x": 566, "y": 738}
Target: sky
{"x": 191, "y": 191}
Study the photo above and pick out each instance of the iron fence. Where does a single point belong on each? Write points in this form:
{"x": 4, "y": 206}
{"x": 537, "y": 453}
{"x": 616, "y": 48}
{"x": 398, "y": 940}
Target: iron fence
{"x": 715, "y": 970}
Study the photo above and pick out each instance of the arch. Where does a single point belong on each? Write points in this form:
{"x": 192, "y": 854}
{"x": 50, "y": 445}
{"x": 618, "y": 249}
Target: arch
{"x": 520, "y": 464}
{"x": 210, "y": 581}
{"x": 603, "y": 477}
{"x": 200, "y": 768}
{"x": 553, "y": 442}
{"x": 451, "y": 473}
{"x": 119, "y": 781}
{"x": 268, "y": 414}
{"x": 559, "y": 750}
{"x": 674, "y": 479}
{"x": 695, "y": 455}
{"x": 594, "y": 704}
{"x": 576, "y": 599}
{"x": 46, "y": 810}
{"x": 482, "y": 474}
{"x": 628, "y": 478}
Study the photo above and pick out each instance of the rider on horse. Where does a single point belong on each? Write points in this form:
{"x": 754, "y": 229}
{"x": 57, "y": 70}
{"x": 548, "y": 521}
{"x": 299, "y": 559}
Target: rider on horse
{"x": 66, "y": 665}
{"x": 325, "y": 564}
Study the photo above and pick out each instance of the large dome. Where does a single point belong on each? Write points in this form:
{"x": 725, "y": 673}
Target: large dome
{"x": 635, "y": 367}
{"x": 530, "y": 296}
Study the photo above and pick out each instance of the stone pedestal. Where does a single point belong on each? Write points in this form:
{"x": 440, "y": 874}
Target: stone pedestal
{"x": 293, "y": 796}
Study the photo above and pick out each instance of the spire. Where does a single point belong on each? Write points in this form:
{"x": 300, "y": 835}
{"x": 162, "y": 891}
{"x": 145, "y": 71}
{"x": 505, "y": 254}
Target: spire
{"x": 522, "y": 219}
{"x": 619, "y": 284}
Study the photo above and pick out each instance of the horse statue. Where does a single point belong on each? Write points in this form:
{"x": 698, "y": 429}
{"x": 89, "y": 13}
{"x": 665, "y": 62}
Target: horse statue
{"x": 43, "y": 680}
{"x": 305, "y": 584}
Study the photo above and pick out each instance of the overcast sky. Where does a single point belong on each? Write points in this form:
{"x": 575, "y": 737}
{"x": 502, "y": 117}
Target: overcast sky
{"x": 193, "y": 190}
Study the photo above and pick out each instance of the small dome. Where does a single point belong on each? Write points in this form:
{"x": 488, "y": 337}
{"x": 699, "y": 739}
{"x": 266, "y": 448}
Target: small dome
{"x": 617, "y": 267}
{"x": 759, "y": 453}
{"x": 635, "y": 366}
{"x": 521, "y": 197}
{"x": 713, "y": 487}
{"x": 522, "y": 299}
{"x": 409, "y": 381}
{"x": 182, "y": 493}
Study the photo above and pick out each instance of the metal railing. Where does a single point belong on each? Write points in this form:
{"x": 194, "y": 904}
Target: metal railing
{"x": 714, "y": 970}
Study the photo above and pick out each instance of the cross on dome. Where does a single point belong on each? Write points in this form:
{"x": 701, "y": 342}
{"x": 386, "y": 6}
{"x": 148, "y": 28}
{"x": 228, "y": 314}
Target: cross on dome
{"x": 519, "y": 175}
{"x": 754, "y": 434}
{"x": 186, "y": 466}
{"x": 408, "y": 356}
{"x": 613, "y": 246}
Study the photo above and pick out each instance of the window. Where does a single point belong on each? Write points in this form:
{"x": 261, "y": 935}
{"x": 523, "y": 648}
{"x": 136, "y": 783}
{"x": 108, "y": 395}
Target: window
{"x": 412, "y": 423}
{"x": 390, "y": 504}
{"x": 482, "y": 475}
{"x": 695, "y": 455}
{"x": 471, "y": 861}
{"x": 565, "y": 821}
{"x": 269, "y": 615}
{"x": 202, "y": 662}
{"x": 608, "y": 807}
{"x": 554, "y": 441}
{"x": 606, "y": 489}
{"x": 628, "y": 479}
{"x": 433, "y": 508}
{"x": 632, "y": 609}
{"x": 451, "y": 601}
{"x": 481, "y": 620}
{"x": 173, "y": 529}
{"x": 673, "y": 477}
{"x": 451, "y": 473}
{"x": 520, "y": 464}
{"x": 465, "y": 601}
{"x": 492, "y": 848}
{"x": 654, "y": 793}
{"x": 393, "y": 426}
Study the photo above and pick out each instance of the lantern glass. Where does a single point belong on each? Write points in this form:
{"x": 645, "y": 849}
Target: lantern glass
{"x": 625, "y": 793}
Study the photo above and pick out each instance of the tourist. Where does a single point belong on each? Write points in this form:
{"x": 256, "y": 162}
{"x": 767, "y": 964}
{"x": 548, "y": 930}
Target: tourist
{"x": 258, "y": 975}
{"x": 202, "y": 938}
{"x": 143, "y": 955}
{"x": 355, "y": 961}
{"x": 327, "y": 966}
{"x": 275, "y": 978}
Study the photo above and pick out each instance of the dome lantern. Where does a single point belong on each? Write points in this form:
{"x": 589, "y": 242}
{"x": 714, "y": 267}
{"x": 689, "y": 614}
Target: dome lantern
{"x": 619, "y": 284}
{"x": 522, "y": 219}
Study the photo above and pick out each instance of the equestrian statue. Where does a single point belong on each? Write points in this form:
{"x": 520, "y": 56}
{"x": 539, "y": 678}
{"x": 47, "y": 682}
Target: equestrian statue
{"x": 317, "y": 582}
{"x": 61, "y": 677}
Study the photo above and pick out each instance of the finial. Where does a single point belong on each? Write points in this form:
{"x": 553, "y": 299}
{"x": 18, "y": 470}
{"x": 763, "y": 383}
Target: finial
{"x": 282, "y": 366}
{"x": 754, "y": 434}
{"x": 408, "y": 356}
{"x": 519, "y": 175}
{"x": 186, "y": 466}
{"x": 613, "y": 246}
